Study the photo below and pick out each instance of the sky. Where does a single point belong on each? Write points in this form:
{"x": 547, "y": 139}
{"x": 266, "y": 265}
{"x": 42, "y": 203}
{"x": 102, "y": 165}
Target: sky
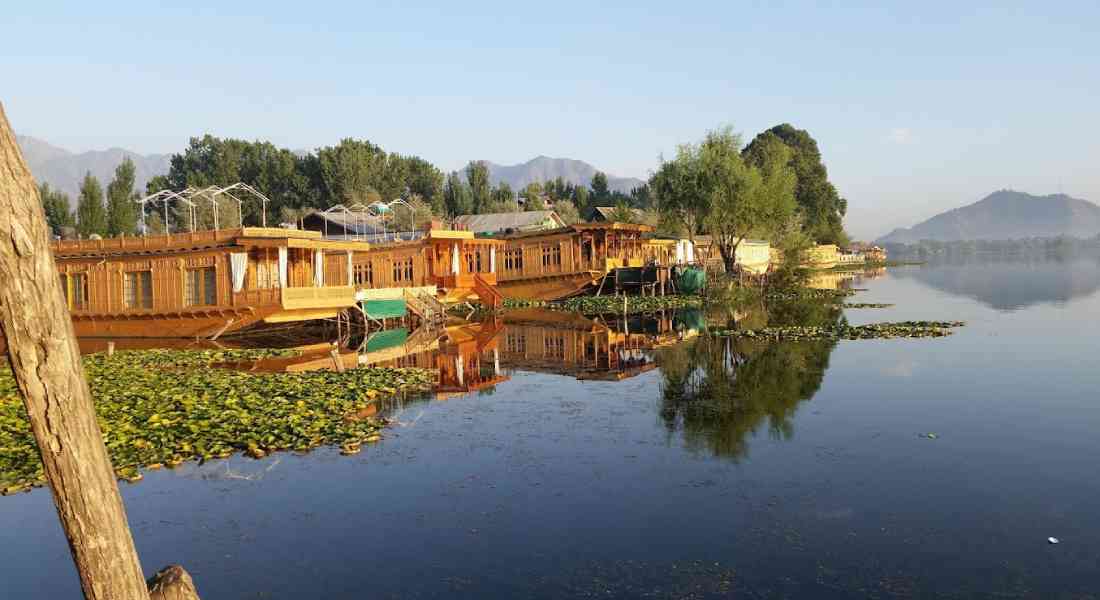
{"x": 917, "y": 107}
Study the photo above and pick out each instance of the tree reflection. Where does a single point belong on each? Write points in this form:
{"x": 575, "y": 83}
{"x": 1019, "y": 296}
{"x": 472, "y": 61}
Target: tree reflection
{"x": 719, "y": 390}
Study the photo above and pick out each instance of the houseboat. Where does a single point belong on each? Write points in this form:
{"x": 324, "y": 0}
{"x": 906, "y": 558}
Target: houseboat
{"x": 211, "y": 283}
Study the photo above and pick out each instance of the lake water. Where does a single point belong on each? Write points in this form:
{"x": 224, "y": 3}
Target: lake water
{"x": 753, "y": 470}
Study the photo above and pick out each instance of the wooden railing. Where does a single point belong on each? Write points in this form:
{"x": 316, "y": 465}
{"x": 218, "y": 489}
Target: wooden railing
{"x": 318, "y": 297}
{"x": 265, "y": 297}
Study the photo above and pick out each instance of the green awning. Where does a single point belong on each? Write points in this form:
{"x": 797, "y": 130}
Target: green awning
{"x": 385, "y": 309}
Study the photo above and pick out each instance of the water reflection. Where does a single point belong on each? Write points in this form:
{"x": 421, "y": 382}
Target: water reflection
{"x": 1010, "y": 283}
{"x": 717, "y": 391}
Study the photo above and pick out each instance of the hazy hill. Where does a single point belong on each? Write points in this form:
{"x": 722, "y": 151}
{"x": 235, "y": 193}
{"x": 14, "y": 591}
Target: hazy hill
{"x": 1006, "y": 215}
{"x": 65, "y": 170}
{"x": 544, "y": 168}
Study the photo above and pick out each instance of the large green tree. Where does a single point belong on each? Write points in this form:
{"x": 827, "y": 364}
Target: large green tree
{"x": 710, "y": 188}
{"x": 457, "y": 195}
{"x": 680, "y": 189}
{"x": 91, "y": 216}
{"x": 744, "y": 200}
{"x": 477, "y": 177}
{"x": 601, "y": 192}
{"x": 56, "y": 206}
{"x": 121, "y": 210}
{"x": 821, "y": 208}
{"x": 533, "y": 197}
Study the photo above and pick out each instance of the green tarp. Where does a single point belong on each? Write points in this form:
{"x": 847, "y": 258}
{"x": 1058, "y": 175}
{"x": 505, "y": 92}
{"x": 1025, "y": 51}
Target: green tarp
{"x": 385, "y": 309}
{"x": 380, "y": 340}
{"x": 690, "y": 280}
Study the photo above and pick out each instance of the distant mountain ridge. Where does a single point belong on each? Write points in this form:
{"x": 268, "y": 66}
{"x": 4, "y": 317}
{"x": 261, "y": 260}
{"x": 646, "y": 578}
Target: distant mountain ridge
{"x": 545, "y": 168}
{"x": 65, "y": 170}
{"x": 1006, "y": 215}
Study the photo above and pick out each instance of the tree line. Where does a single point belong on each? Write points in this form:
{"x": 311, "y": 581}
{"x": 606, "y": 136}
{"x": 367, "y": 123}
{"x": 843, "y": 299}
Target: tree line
{"x": 776, "y": 186}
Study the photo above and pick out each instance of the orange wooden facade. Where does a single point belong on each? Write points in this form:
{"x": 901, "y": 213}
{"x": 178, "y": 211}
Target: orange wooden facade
{"x": 548, "y": 265}
{"x": 182, "y": 285}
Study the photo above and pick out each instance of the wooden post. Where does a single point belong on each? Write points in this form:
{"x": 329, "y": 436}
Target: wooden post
{"x": 110, "y": 348}
{"x": 46, "y": 363}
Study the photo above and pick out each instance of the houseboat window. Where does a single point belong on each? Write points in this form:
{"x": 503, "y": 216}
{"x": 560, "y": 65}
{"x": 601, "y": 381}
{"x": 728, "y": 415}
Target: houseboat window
{"x": 200, "y": 287}
{"x": 137, "y": 290}
{"x": 555, "y": 347}
{"x": 516, "y": 343}
{"x": 403, "y": 270}
{"x": 555, "y": 255}
{"x": 267, "y": 272}
{"x": 75, "y": 288}
{"x": 546, "y": 256}
{"x": 364, "y": 273}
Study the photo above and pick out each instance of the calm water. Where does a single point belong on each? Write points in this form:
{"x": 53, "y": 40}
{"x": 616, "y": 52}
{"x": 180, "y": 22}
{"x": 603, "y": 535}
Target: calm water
{"x": 733, "y": 469}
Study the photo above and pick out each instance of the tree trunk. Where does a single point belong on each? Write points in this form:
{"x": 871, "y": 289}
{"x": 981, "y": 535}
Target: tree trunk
{"x": 46, "y": 363}
{"x": 172, "y": 583}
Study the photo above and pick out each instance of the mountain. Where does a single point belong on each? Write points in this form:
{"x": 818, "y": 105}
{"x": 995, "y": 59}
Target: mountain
{"x": 544, "y": 168}
{"x": 1006, "y": 215}
{"x": 65, "y": 170}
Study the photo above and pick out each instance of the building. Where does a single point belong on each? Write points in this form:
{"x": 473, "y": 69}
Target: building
{"x": 606, "y": 214}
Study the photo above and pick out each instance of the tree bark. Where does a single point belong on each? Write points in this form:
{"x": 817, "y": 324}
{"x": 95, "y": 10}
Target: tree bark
{"x": 172, "y": 583}
{"x": 46, "y": 362}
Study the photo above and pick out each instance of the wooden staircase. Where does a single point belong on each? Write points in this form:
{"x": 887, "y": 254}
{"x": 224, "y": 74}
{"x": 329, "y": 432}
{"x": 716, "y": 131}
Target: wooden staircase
{"x": 489, "y": 295}
{"x": 431, "y": 311}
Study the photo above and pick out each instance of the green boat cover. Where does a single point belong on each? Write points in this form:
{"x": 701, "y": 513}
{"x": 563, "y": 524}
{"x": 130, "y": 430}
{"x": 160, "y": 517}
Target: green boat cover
{"x": 385, "y": 309}
{"x": 690, "y": 280}
{"x": 380, "y": 340}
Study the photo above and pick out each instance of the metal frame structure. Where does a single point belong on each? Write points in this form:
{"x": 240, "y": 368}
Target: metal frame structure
{"x": 211, "y": 193}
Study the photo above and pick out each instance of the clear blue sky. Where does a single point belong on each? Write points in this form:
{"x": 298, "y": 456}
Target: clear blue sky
{"x": 917, "y": 107}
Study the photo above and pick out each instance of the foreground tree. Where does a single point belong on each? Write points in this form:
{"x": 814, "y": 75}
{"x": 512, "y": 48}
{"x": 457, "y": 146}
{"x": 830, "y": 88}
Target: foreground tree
{"x": 45, "y": 360}
{"x": 91, "y": 216}
{"x": 121, "y": 210}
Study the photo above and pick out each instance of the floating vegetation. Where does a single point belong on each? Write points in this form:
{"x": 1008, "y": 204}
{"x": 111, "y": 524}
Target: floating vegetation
{"x": 602, "y": 305}
{"x": 866, "y": 305}
{"x": 523, "y": 303}
{"x": 804, "y": 293}
{"x": 163, "y": 407}
{"x": 843, "y": 331}
{"x": 605, "y": 305}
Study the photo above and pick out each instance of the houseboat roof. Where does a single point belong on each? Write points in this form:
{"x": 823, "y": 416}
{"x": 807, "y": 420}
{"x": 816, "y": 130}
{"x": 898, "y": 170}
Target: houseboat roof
{"x": 615, "y": 226}
{"x": 516, "y": 221}
{"x": 201, "y": 240}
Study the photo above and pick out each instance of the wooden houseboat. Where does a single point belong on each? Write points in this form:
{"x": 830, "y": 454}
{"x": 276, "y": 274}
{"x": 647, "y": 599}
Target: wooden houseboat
{"x": 550, "y": 265}
{"x": 210, "y": 283}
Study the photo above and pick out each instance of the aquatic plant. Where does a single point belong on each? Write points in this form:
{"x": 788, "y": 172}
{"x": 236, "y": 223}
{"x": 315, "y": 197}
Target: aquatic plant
{"x": 163, "y": 407}
{"x": 600, "y": 305}
{"x": 866, "y": 305}
{"x": 804, "y": 293}
{"x": 844, "y": 331}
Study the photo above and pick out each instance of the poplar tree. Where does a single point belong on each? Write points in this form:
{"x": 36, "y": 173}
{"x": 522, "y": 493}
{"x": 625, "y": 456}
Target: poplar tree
{"x": 91, "y": 216}
{"x": 121, "y": 213}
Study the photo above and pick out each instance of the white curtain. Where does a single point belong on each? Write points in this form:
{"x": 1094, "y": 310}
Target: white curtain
{"x": 492, "y": 259}
{"x": 282, "y": 267}
{"x": 496, "y": 362}
{"x": 351, "y": 269}
{"x": 454, "y": 260}
{"x": 459, "y": 366}
{"x": 690, "y": 253}
{"x": 238, "y": 264}
{"x": 680, "y": 252}
{"x": 319, "y": 268}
